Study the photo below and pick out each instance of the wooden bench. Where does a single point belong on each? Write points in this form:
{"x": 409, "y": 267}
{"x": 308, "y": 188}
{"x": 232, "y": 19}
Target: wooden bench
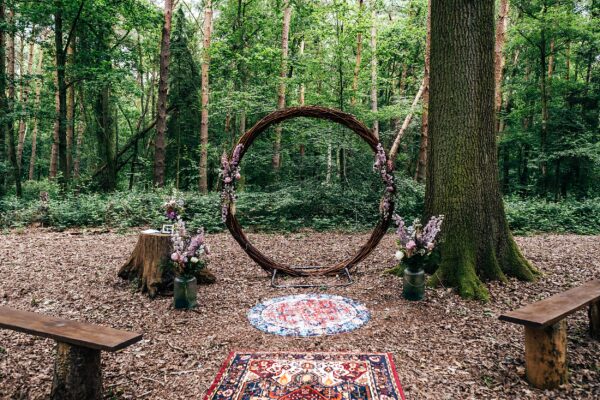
{"x": 546, "y": 332}
{"x": 77, "y": 372}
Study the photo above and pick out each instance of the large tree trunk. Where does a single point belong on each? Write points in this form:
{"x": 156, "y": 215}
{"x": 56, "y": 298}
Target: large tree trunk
{"x": 421, "y": 170}
{"x": 374, "y": 70}
{"x": 3, "y": 101}
{"x": 285, "y": 33}
{"x": 12, "y": 151}
{"x": 38, "y": 89}
{"x": 77, "y": 373}
{"x": 462, "y": 178}
{"x": 358, "y": 56}
{"x": 163, "y": 85}
{"x": 205, "y": 93}
{"x": 147, "y": 265}
{"x": 24, "y": 98}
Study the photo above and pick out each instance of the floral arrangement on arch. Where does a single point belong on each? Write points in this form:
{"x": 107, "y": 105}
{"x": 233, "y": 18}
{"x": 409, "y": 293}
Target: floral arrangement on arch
{"x": 416, "y": 241}
{"x": 173, "y": 208}
{"x": 190, "y": 253}
{"x": 230, "y": 173}
{"x": 384, "y": 168}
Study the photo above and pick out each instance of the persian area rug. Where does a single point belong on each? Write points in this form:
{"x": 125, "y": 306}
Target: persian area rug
{"x": 308, "y": 315}
{"x": 306, "y": 376}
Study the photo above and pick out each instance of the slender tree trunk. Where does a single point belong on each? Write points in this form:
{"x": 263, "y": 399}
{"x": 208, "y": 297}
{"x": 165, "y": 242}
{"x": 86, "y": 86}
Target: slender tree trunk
{"x": 12, "y": 151}
{"x": 3, "y": 100}
{"x": 24, "y": 98}
{"x": 421, "y": 169}
{"x": 285, "y": 33}
{"x": 499, "y": 59}
{"x": 79, "y": 144}
{"x": 205, "y": 93}
{"x": 400, "y": 130}
{"x": 568, "y": 61}
{"x": 358, "y": 55}
{"x": 551, "y": 60}
{"x": 54, "y": 150}
{"x": 301, "y": 96}
{"x": 163, "y": 85}
{"x": 61, "y": 62}
{"x": 544, "y": 103}
{"x": 70, "y": 115}
{"x": 463, "y": 184}
{"x": 38, "y": 89}
{"x": 374, "y": 71}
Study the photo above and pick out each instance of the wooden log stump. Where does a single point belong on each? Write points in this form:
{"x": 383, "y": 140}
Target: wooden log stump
{"x": 546, "y": 355}
{"x": 147, "y": 265}
{"x": 594, "y": 313}
{"x": 77, "y": 373}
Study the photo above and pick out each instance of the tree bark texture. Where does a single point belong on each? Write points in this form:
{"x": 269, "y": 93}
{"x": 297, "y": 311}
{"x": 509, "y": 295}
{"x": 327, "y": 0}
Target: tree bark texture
{"x": 462, "y": 177}
{"x": 163, "y": 85}
{"x": 148, "y": 268}
{"x": 421, "y": 170}
{"x": 285, "y": 34}
{"x": 358, "y": 56}
{"x": 205, "y": 93}
{"x": 546, "y": 355}
{"x": 77, "y": 373}
{"x": 374, "y": 70}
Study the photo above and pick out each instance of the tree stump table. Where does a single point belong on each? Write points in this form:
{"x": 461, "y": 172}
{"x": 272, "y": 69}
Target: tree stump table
{"x": 148, "y": 265}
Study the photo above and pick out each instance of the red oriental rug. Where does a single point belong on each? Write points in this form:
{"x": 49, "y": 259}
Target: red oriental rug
{"x": 306, "y": 376}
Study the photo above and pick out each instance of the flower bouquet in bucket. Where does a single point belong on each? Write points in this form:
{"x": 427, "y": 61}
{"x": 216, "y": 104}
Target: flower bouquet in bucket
{"x": 416, "y": 245}
{"x": 190, "y": 255}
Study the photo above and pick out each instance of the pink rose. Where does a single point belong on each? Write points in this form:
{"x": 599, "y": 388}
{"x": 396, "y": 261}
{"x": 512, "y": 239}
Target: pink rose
{"x": 227, "y": 180}
{"x": 238, "y": 176}
{"x": 430, "y": 246}
{"x": 174, "y": 256}
{"x": 411, "y": 245}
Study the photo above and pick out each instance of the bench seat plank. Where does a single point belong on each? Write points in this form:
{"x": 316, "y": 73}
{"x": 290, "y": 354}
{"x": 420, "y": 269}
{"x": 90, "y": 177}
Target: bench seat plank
{"x": 553, "y": 309}
{"x": 72, "y": 332}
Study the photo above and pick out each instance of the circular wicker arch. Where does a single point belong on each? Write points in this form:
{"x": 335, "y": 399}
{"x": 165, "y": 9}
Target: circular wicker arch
{"x": 246, "y": 140}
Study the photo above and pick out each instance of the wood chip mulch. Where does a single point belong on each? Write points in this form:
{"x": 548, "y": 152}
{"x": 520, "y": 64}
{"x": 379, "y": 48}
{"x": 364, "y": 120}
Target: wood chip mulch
{"x": 444, "y": 347}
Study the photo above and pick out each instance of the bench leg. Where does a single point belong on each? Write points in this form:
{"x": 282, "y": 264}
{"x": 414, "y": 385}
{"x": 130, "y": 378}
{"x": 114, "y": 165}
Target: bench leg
{"x": 77, "y": 373}
{"x": 546, "y": 355}
{"x": 594, "y": 313}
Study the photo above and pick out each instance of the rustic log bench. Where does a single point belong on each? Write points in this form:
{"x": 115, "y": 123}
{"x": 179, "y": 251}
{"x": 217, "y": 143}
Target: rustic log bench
{"x": 546, "y": 332}
{"x": 77, "y": 372}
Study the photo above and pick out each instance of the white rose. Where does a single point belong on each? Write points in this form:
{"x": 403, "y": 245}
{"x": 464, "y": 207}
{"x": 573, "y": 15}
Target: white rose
{"x": 194, "y": 260}
{"x": 399, "y": 255}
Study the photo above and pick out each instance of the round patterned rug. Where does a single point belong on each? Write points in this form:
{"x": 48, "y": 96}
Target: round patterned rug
{"x": 308, "y": 315}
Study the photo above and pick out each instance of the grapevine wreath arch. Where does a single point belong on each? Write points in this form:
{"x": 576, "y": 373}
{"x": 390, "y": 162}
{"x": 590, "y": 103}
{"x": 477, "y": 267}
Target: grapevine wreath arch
{"x": 230, "y": 171}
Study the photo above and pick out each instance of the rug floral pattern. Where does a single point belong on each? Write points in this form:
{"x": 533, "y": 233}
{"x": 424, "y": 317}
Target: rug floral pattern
{"x": 306, "y": 376}
{"x": 308, "y": 315}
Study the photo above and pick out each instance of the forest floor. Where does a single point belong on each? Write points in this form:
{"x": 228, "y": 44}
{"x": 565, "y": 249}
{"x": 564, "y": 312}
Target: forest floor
{"x": 444, "y": 347}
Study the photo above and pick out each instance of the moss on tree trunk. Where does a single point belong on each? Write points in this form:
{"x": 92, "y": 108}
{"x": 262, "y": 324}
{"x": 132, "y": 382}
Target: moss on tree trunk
{"x": 462, "y": 173}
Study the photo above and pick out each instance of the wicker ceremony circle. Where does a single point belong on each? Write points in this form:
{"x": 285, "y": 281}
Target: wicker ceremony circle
{"x": 341, "y": 118}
